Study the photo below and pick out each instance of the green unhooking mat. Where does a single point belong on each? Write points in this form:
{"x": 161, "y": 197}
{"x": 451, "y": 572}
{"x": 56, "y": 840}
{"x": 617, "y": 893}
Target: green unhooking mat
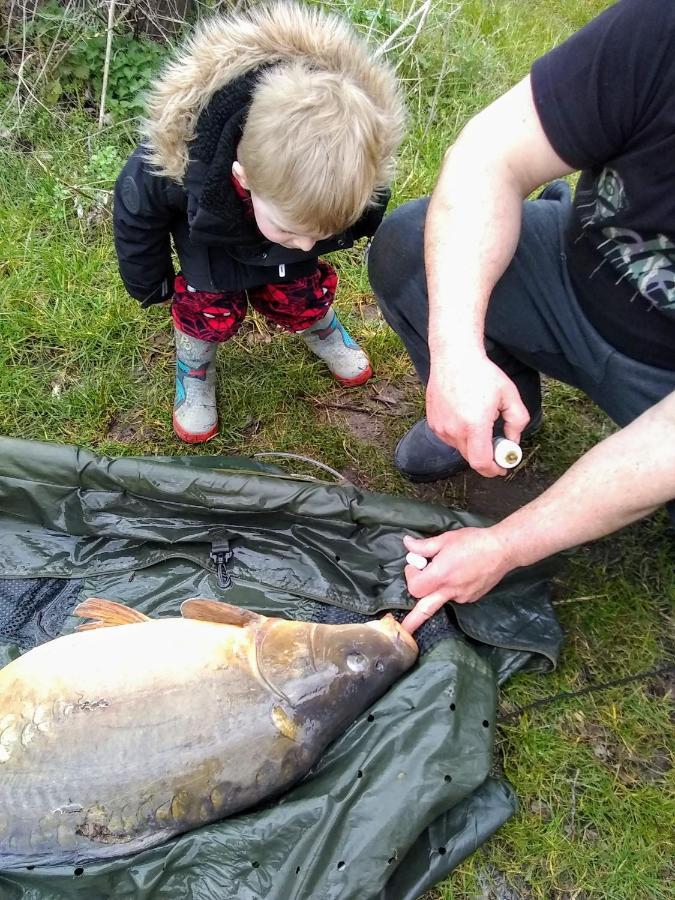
{"x": 396, "y": 802}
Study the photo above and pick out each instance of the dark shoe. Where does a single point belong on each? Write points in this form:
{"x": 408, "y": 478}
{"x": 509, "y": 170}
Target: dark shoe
{"x": 422, "y": 456}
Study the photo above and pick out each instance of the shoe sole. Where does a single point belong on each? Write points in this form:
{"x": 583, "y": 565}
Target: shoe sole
{"x": 427, "y": 479}
{"x": 191, "y": 437}
{"x": 355, "y": 382}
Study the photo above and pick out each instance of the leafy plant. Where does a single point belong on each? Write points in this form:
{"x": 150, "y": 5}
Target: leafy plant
{"x": 133, "y": 63}
{"x": 105, "y": 163}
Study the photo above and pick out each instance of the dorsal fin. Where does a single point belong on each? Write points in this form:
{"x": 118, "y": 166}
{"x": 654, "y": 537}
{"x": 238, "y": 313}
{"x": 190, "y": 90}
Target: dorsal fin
{"x": 217, "y": 611}
{"x": 106, "y": 613}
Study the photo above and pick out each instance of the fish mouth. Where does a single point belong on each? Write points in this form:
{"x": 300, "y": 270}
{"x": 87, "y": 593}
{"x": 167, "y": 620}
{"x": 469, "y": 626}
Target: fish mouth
{"x": 401, "y": 638}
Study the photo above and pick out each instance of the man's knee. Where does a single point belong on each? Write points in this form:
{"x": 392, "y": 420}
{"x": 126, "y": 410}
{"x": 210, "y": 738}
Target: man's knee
{"x": 397, "y": 252}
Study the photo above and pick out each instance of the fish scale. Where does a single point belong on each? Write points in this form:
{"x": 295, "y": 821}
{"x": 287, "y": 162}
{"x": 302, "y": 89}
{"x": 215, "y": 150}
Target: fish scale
{"x": 117, "y": 738}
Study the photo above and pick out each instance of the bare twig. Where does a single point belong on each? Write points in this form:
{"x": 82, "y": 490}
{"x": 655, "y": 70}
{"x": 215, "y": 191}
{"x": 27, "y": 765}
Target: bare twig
{"x": 440, "y": 84}
{"x": 420, "y": 13}
{"x": 106, "y": 64}
{"x": 306, "y": 459}
{"x": 573, "y": 812}
{"x": 347, "y": 407}
{"x": 10, "y": 13}
{"x": 568, "y": 600}
{"x": 54, "y": 44}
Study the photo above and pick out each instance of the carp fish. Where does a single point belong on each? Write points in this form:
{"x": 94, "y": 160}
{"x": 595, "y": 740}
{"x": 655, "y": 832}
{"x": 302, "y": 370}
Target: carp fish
{"x": 132, "y": 730}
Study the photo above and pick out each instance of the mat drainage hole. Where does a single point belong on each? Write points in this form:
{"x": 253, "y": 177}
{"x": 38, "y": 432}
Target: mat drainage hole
{"x": 441, "y": 851}
{"x": 297, "y": 871}
{"x": 447, "y": 779}
{"x": 452, "y": 707}
{"x": 78, "y": 871}
{"x": 341, "y": 865}
{"x": 255, "y": 864}
{"x": 359, "y": 774}
{"x": 371, "y": 718}
{"x": 486, "y": 724}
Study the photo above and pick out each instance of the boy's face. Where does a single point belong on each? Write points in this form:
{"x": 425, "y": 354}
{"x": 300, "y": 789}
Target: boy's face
{"x": 272, "y": 226}
{"x": 271, "y": 223}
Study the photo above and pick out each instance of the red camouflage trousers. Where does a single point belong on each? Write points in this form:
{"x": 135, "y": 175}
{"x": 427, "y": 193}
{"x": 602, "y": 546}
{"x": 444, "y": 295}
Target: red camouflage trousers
{"x": 218, "y": 316}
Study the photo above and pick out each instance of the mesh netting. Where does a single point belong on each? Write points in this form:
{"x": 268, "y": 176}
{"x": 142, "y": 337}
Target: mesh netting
{"x": 33, "y": 610}
{"x": 437, "y": 628}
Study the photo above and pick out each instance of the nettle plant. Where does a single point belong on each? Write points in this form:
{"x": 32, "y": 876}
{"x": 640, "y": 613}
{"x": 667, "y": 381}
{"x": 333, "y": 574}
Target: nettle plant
{"x": 133, "y": 63}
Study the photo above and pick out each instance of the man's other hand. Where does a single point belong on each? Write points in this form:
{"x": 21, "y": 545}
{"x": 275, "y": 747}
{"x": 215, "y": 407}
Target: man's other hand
{"x": 462, "y": 405}
{"x": 463, "y": 566}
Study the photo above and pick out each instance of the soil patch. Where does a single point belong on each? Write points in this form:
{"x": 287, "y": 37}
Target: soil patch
{"x": 357, "y": 478}
{"x": 629, "y": 766}
{"x": 495, "y": 498}
{"x": 128, "y": 427}
{"x": 157, "y": 349}
{"x": 367, "y": 413}
{"x": 662, "y": 687}
{"x": 368, "y": 309}
{"x": 495, "y": 885}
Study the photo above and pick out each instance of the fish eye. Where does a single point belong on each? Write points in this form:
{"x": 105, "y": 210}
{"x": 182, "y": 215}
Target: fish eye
{"x": 379, "y": 665}
{"x": 357, "y": 662}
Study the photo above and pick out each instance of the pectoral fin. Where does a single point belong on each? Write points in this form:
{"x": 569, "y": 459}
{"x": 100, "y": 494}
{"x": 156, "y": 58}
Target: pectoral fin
{"x": 215, "y": 611}
{"x": 284, "y": 723}
{"x": 106, "y": 613}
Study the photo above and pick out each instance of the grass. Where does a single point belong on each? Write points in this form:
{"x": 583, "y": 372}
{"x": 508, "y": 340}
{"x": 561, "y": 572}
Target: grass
{"x": 81, "y": 363}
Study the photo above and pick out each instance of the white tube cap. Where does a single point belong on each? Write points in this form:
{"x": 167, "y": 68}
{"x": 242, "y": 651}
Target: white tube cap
{"x": 415, "y": 559}
{"x": 507, "y": 453}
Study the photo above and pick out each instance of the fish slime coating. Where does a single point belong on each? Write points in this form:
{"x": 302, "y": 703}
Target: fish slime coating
{"x": 133, "y": 730}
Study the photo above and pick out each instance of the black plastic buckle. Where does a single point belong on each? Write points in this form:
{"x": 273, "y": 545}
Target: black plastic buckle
{"x": 221, "y": 556}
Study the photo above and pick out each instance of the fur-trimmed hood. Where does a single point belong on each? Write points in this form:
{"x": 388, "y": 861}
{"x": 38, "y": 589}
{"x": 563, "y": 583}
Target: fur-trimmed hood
{"x": 224, "y": 48}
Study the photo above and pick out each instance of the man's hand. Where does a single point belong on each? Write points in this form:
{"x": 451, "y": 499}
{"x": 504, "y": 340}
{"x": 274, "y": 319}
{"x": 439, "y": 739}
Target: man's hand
{"x": 463, "y": 566}
{"x": 463, "y": 404}
{"x": 626, "y": 476}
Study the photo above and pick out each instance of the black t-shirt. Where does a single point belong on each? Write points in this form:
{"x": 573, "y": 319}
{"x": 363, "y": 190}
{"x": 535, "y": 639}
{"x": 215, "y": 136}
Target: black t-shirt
{"x": 606, "y": 101}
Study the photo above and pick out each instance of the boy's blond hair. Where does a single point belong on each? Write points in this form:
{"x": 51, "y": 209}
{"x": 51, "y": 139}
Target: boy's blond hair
{"x": 325, "y": 120}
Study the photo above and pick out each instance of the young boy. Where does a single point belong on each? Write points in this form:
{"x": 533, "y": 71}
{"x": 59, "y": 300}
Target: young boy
{"x": 269, "y": 140}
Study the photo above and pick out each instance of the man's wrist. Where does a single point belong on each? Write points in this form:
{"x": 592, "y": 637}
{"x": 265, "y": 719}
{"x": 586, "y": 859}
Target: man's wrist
{"x": 448, "y": 359}
{"x": 514, "y": 551}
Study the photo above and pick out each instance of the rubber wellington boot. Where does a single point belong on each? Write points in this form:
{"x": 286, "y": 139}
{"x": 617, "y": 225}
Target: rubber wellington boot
{"x": 195, "y": 418}
{"x": 328, "y": 340}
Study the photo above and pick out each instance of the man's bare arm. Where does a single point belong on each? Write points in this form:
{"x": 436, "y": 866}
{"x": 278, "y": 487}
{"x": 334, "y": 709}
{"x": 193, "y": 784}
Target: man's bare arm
{"x": 625, "y": 477}
{"x": 471, "y": 234}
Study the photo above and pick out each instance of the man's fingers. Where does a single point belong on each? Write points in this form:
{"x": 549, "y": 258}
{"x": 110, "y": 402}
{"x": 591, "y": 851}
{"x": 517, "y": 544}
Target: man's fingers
{"x": 480, "y": 454}
{"x": 422, "y": 583}
{"x": 516, "y": 417}
{"x": 444, "y": 430}
{"x": 423, "y": 610}
{"x": 424, "y": 546}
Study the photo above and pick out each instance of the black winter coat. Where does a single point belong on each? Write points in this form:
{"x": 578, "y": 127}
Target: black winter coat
{"x": 218, "y": 247}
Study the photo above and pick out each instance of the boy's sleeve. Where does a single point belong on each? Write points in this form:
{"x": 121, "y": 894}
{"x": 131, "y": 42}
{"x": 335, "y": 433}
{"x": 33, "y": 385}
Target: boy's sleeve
{"x": 600, "y": 88}
{"x": 141, "y": 223}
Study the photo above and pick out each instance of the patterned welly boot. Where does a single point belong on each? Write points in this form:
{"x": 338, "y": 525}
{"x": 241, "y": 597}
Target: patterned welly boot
{"x": 195, "y": 418}
{"x": 328, "y": 340}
